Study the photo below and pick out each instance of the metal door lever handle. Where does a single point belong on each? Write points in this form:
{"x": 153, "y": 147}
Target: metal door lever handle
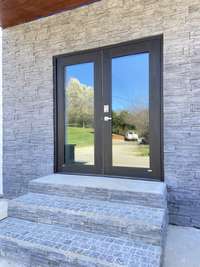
{"x": 106, "y": 118}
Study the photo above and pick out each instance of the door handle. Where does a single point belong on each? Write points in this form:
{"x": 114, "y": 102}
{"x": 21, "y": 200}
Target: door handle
{"x": 106, "y": 118}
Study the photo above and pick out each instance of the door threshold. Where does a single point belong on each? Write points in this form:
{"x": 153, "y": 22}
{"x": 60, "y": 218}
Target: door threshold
{"x": 112, "y": 176}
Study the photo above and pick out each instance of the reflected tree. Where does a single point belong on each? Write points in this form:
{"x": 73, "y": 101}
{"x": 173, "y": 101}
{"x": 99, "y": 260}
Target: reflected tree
{"x": 79, "y": 104}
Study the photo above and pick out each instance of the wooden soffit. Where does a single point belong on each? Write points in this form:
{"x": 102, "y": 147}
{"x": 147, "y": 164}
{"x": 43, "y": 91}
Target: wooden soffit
{"x": 14, "y": 12}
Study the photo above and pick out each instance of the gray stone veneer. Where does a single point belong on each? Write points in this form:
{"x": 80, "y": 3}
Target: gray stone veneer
{"x": 28, "y": 88}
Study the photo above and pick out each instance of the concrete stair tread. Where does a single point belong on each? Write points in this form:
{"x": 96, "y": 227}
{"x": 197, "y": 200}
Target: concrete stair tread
{"x": 145, "y": 193}
{"x": 62, "y": 246}
{"x": 125, "y": 214}
{"x": 102, "y": 217}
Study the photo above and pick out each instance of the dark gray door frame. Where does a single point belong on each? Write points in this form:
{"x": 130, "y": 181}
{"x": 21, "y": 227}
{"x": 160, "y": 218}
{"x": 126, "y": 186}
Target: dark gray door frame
{"x": 102, "y": 82}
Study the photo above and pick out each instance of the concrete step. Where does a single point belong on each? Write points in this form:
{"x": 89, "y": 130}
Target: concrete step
{"x": 103, "y": 217}
{"x": 46, "y": 245}
{"x": 136, "y": 192}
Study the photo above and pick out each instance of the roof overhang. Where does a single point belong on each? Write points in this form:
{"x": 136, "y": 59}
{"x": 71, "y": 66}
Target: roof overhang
{"x": 14, "y": 12}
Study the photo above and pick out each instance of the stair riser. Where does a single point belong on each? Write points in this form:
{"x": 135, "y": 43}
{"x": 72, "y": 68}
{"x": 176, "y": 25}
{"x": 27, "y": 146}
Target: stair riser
{"x": 28, "y": 256}
{"x": 53, "y": 245}
{"x": 152, "y": 235}
{"x": 136, "y": 198}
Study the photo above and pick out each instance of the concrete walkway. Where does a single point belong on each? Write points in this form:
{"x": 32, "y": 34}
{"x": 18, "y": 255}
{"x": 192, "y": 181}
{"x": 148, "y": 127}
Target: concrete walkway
{"x": 183, "y": 247}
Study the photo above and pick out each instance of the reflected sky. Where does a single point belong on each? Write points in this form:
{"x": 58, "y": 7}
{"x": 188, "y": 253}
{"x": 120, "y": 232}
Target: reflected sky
{"x": 82, "y": 72}
{"x": 130, "y": 80}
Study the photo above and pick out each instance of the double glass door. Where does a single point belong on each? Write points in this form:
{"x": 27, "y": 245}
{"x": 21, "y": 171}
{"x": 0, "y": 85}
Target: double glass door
{"x": 108, "y": 111}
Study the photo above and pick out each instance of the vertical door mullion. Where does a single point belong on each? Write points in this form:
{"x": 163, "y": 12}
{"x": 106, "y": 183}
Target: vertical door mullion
{"x": 98, "y": 113}
{"x": 107, "y": 125}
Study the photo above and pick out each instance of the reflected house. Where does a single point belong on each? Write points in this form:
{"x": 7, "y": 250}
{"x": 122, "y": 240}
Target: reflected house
{"x": 97, "y": 96}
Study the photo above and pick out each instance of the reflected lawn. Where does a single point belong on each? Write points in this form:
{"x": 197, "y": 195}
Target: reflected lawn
{"x": 80, "y": 136}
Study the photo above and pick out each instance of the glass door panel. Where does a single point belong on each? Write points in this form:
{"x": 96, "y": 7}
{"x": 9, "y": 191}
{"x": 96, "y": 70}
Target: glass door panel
{"x": 79, "y": 114}
{"x": 130, "y": 111}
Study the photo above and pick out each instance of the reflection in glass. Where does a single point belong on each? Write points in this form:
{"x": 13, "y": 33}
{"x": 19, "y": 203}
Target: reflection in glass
{"x": 130, "y": 111}
{"x": 79, "y": 114}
